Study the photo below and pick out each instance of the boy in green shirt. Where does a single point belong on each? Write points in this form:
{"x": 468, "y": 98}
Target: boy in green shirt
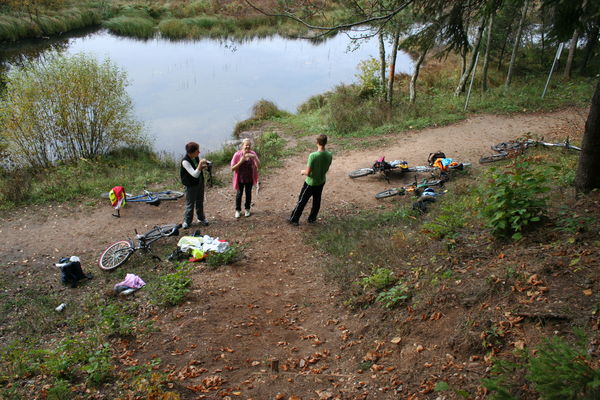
{"x": 316, "y": 169}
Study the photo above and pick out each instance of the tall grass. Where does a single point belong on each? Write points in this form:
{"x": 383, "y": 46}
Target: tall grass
{"x": 348, "y": 111}
{"x": 193, "y": 28}
{"x": 20, "y": 25}
{"x": 140, "y": 27}
{"x": 134, "y": 168}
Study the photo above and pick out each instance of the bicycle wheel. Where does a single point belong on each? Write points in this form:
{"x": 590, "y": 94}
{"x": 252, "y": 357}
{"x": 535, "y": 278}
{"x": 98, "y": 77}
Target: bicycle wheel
{"x": 389, "y": 193}
{"x": 169, "y": 195}
{"x": 116, "y": 254}
{"x": 361, "y": 172}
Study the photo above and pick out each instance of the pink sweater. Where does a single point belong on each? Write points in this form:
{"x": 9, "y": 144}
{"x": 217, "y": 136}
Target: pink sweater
{"x": 234, "y": 160}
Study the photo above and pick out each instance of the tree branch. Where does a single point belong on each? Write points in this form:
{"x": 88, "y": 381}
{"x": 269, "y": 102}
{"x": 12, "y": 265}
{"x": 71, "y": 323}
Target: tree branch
{"x": 385, "y": 18}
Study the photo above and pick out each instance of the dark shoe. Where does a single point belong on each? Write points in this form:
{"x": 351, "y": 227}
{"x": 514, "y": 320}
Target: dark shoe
{"x": 89, "y": 276}
{"x": 291, "y": 222}
{"x": 203, "y": 222}
{"x": 311, "y": 221}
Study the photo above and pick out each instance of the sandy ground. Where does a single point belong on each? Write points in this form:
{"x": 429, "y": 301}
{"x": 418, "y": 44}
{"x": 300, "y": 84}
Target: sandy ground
{"x": 269, "y": 324}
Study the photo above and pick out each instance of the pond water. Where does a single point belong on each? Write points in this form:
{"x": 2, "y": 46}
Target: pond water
{"x": 198, "y": 90}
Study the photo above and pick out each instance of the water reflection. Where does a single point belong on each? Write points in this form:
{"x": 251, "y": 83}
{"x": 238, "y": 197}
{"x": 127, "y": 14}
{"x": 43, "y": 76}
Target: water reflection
{"x": 199, "y": 90}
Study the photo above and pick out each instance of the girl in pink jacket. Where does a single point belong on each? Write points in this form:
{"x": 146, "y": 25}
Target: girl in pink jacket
{"x": 244, "y": 164}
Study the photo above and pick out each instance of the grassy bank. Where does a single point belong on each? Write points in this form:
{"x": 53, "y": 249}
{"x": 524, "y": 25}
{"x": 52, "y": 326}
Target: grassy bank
{"x": 134, "y": 169}
{"x": 21, "y": 24}
{"x": 347, "y": 113}
{"x": 443, "y": 269}
{"x": 175, "y": 20}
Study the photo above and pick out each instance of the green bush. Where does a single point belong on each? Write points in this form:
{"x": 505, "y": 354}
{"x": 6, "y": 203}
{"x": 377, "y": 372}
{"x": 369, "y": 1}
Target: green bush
{"x": 558, "y": 371}
{"x": 396, "y": 295}
{"x": 67, "y": 108}
{"x": 131, "y": 26}
{"x": 313, "y": 103}
{"x": 379, "y": 279}
{"x": 265, "y": 109}
{"x": 115, "y": 320}
{"x": 345, "y": 113}
{"x": 230, "y": 256}
{"x": 270, "y": 148}
{"x": 514, "y": 198}
{"x": 171, "y": 289}
{"x": 368, "y": 76}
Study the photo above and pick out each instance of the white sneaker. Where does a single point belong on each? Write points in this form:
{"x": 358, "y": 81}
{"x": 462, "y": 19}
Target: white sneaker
{"x": 247, "y": 213}
{"x": 237, "y": 214}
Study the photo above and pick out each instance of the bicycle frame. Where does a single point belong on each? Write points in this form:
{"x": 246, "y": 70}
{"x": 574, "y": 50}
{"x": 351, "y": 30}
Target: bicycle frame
{"x": 119, "y": 252}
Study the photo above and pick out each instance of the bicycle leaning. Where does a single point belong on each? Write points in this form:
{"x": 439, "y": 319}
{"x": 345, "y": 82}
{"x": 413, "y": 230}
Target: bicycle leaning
{"x": 119, "y": 252}
{"x": 513, "y": 148}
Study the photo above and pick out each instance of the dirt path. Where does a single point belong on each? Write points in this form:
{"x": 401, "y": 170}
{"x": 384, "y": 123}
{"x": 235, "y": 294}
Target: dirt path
{"x": 273, "y": 307}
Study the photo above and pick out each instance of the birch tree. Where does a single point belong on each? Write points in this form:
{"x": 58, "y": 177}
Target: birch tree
{"x": 516, "y": 45}
{"x": 486, "y": 59}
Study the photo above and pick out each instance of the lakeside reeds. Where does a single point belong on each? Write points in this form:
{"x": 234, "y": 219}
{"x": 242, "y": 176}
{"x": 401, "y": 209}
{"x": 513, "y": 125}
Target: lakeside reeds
{"x": 18, "y": 26}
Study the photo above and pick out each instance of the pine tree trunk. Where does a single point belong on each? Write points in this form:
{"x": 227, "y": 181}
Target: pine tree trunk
{"x": 587, "y": 177}
{"x": 395, "y": 45}
{"x": 465, "y": 76}
{"x": 513, "y": 56}
{"x": 415, "y": 76}
{"x": 571, "y": 56}
{"x": 486, "y": 61}
{"x": 543, "y": 34}
{"x": 382, "y": 64}
{"x": 589, "y": 48}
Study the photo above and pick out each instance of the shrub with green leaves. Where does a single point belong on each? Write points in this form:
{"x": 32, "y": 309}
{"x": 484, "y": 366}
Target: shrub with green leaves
{"x": 115, "y": 320}
{"x": 368, "y": 76}
{"x": 559, "y": 370}
{"x": 393, "y": 297}
{"x": 514, "y": 198}
{"x": 171, "y": 289}
{"x": 379, "y": 279}
{"x": 230, "y": 256}
{"x": 66, "y": 108}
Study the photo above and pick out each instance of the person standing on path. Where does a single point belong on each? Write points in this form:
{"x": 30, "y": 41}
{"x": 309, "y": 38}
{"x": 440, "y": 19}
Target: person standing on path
{"x": 316, "y": 169}
{"x": 193, "y": 180}
{"x": 244, "y": 164}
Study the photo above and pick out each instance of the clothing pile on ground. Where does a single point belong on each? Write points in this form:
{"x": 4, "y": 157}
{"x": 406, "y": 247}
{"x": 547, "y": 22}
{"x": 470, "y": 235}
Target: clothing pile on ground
{"x": 200, "y": 246}
{"x": 130, "y": 284}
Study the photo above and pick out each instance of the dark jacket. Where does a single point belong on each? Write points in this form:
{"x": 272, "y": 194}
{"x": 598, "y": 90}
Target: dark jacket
{"x": 186, "y": 178}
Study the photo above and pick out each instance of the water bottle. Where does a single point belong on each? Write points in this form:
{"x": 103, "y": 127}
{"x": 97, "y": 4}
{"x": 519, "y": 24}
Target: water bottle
{"x": 60, "y": 307}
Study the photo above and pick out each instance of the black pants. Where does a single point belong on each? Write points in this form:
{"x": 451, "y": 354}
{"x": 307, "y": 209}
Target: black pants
{"x": 305, "y": 194}
{"x": 243, "y": 187}
{"x": 194, "y": 198}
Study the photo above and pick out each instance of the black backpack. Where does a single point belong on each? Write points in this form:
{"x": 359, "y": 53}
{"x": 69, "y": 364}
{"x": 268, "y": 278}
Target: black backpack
{"x": 434, "y": 156}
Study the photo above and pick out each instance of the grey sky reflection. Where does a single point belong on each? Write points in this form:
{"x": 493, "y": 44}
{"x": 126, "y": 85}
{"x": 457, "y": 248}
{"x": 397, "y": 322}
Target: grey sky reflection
{"x": 199, "y": 90}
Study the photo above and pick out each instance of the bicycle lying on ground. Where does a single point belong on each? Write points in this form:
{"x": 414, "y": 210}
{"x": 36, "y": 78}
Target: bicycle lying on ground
{"x": 513, "y": 148}
{"x": 149, "y": 197}
{"x": 383, "y": 166}
{"x": 417, "y": 188}
{"x": 118, "y": 253}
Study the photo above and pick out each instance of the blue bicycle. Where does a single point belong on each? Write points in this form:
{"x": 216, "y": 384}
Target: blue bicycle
{"x": 153, "y": 198}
